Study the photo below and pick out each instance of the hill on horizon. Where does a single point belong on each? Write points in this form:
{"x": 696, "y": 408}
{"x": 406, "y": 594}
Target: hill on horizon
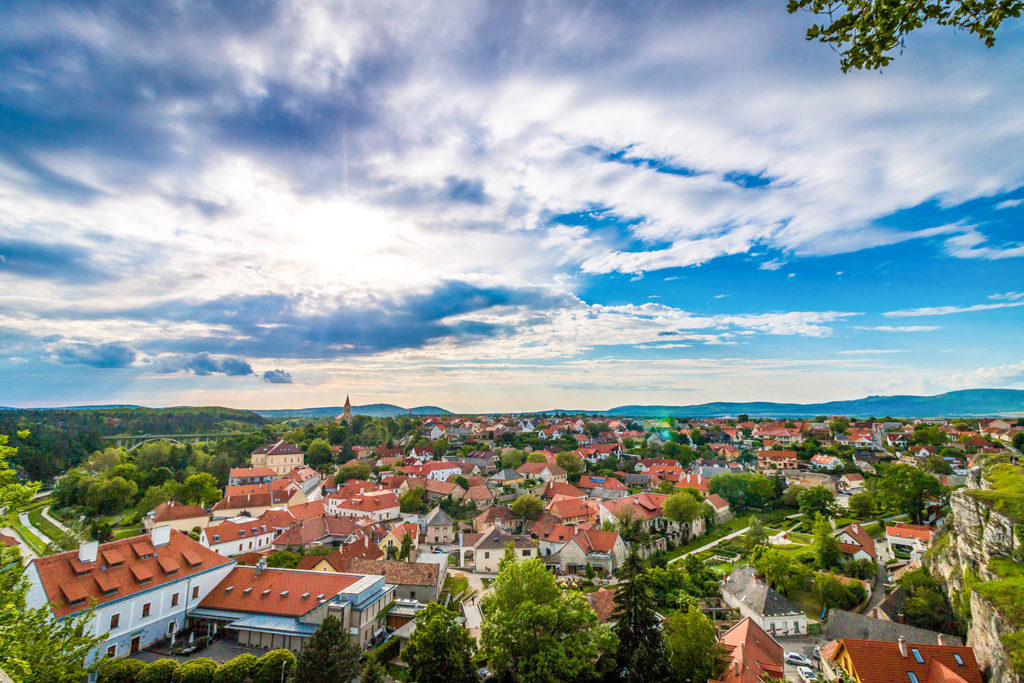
{"x": 370, "y": 410}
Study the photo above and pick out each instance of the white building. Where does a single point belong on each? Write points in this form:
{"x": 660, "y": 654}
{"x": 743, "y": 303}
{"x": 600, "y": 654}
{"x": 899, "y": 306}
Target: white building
{"x": 238, "y": 535}
{"x": 769, "y": 609}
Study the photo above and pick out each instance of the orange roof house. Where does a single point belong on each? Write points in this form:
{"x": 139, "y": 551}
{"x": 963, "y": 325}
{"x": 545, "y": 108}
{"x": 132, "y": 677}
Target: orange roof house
{"x": 878, "y": 661}
{"x": 751, "y": 653}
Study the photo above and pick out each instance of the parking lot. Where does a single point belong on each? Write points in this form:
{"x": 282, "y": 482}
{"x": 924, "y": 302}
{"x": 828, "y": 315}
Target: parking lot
{"x": 803, "y": 645}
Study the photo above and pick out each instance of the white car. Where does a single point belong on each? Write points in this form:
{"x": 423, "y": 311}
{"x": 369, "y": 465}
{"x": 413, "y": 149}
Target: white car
{"x": 806, "y": 674}
{"x": 798, "y": 659}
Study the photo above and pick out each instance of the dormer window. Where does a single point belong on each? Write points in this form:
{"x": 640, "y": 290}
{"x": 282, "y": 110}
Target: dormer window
{"x": 266, "y": 593}
{"x": 246, "y": 591}
{"x": 284, "y": 594}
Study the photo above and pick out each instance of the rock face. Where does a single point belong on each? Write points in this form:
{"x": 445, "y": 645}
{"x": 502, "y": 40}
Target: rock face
{"x": 977, "y": 535}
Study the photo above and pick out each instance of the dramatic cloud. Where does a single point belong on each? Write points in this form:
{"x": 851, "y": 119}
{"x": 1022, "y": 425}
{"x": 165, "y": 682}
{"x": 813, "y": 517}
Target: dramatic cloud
{"x": 107, "y": 355}
{"x": 201, "y": 364}
{"x": 277, "y": 377}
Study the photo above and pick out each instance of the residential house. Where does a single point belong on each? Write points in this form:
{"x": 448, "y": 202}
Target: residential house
{"x": 777, "y": 460}
{"x": 269, "y": 608}
{"x": 307, "y": 479}
{"x": 908, "y": 539}
{"x": 603, "y": 550}
{"x": 506, "y": 478}
{"x": 851, "y": 483}
{"x": 752, "y": 655}
{"x": 244, "y": 476}
{"x": 574, "y": 510}
{"x": 281, "y": 457}
{"x": 322, "y": 530}
{"x": 497, "y": 516}
{"x": 236, "y": 536}
{"x": 822, "y": 461}
{"x": 645, "y": 507}
{"x": 695, "y": 482}
{"x": 541, "y": 471}
{"x": 140, "y": 588}
{"x": 842, "y": 624}
{"x": 338, "y": 560}
{"x": 721, "y": 508}
{"x": 395, "y": 537}
{"x": 603, "y": 602}
{"x": 771, "y": 610}
{"x": 606, "y": 488}
{"x": 376, "y": 505}
{"x": 480, "y": 495}
{"x": 256, "y": 503}
{"x": 180, "y": 517}
{"x": 855, "y": 542}
{"x": 420, "y": 581}
{"x": 483, "y": 552}
{"x": 437, "y": 527}
{"x": 561, "y": 488}
{"x": 879, "y": 661}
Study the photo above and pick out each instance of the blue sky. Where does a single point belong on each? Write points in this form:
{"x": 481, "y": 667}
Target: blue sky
{"x": 499, "y": 206}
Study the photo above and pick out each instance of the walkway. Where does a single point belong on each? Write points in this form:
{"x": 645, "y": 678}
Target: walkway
{"x": 25, "y": 522}
{"x": 731, "y": 536}
{"x": 56, "y": 523}
{"x": 26, "y": 551}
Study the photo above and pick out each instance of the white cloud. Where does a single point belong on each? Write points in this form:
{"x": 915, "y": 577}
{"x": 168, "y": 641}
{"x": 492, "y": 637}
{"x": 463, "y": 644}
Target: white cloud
{"x": 948, "y": 310}
{"x": 1009, "y": 204}
{"x": 870, "y": 352}
{"x": 1007, "y": 296}
{"x": 901, "y": 328}
{"x": 773, "y": 264}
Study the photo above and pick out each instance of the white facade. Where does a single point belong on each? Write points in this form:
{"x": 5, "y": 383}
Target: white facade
{"x": 237, "y": 545}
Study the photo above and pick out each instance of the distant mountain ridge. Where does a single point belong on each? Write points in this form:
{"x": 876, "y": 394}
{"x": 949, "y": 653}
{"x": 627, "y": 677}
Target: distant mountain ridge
{"x": 371, "y": 410}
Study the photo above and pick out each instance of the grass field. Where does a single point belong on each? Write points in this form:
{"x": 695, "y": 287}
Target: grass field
{"x": 52, "y": 531}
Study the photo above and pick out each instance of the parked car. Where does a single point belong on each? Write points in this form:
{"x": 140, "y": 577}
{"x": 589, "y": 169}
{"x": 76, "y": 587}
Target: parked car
{"x": 798, "y": 659}
{"x": 806, "y": 674}
{"x": 817, "y": 652}
{"x": 441, "y": 550}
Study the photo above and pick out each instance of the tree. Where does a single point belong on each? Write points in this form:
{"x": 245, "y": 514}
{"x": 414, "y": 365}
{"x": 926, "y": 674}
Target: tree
{"x": 692, "y": 648}
{"x": 284, "y": 559}
{"x": 532, "y": 632}
{"x": 825, "y": 544}
{"x": 904, "y": 488}
{"x": 403, "y": 553}
{"x": 682, "y": 507}
{"x": 867, "y": 33}
{"x": 512, "y": 458}
{"x": 270, "y": 666}
{"x": 528, "y": 506}
{"x": 816, "y": 500}
{"x": 570, "y": 463}
{"x": 536, "y": 457}
{"x": 319, "y": 454}
{"x": 461, "y": 481}
{"x": 862, "y": 504}
{"x": 1018, "y": 441}
{"x": 744, "y": 490}
{"x": 440, "y": 650}
{"x": 236, "y": 670}
{"x": 641, "y": 647}
{"x": 155, "y": 495}
{"x": 199, "y": 670}
{"x": 162, "y": 671}
{"x": 631, "y": 529}
{"x": 329, "y": 656}
{"x": 115, "y": 670}
{"x": 352, "y": 470}
{"x": 936, "y": 464}
{"x": 839, "y": 425}
{"x": 413, "y": 500}
{"x": 34, "y": 647}
{"x": 373, "y": 671}
{"x": 199, "y": 489}
{"x": 756, "y": 535}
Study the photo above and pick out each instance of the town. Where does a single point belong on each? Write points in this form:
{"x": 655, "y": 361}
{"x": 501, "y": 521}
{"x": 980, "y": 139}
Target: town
{"x": 543, "y": 547}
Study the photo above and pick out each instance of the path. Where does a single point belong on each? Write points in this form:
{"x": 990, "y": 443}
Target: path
{"x": 26, "y": 551}
{"x": 25, "y": 522}
{"x": 731, "y": 536}
{"x": 56, "y": 523}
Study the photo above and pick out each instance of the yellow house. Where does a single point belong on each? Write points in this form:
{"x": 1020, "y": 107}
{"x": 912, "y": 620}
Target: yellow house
{"x": 282, "y": 457}
{"x": 397, "y": 534}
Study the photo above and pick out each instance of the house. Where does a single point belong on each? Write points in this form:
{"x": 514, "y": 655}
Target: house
{"x": 322, "y": 530}
{"x": 243, "y": 476}
{"x": 180, "y": 517}
{"x": 769, "y": 609}
{"x": 480, "y": 495}
{"x": 338, "y": 560}
{"x": 908, "y": 539}
{"x": 856, "y": 543}
{"x": 603, "y": 602}
{"x": 269, "y": 608}
{"x": 254, "y": 501}
{"x": 561, "y": 488}
{"x": 439, "y": 471}
{"x": 420, "y": 581}
{"x": 602, "y": 550}
{"x": 606, "y": 488}
{"x": 395, "y": 537}
{"x": 498, "y": 516}
{"x": 550, "y": 536}
{"x": 721, "y": 508}
{"x": 281, "y": 457}
{"x": 436, "y": 432}
{"x": 233, "y": 537}
{"x": 437, "y": 527}
{"x": 777, "y": 460}
{"x": 879, "y": 661}
{"x": 541, "y": 471}
{"x": 506, "y": 478}
{"x": 307, "y": 479}
{"x": 826, "y": 462}
{"x": 752, "y": 655}
{"x": 647, "y": 507}
{"x": 842, "y": 624}
{"x": 376, "y": 505}
{"x": 422, "y": 452}
{"x": 142, "y": 588}
{"x": 696, "y": 482}
{"x": 574, "y": 510}
{"x": 483, "y": 552}
{"x": 851, "y": 483}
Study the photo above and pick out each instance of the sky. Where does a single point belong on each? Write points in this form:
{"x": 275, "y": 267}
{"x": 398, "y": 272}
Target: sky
{"x": 499, "y": 206}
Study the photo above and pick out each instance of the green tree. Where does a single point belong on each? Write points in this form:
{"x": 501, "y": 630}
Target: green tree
{"x": 641, "y": 650}
{"x": 236, "y": 670}
{"x": 631, "y": 528}
{"x": 155, "y": 495}
{"x": 373, "y": 671}
{"x": 115, "y": 670}
{"x": 757, "y": 535}
{"x": 528, "y": 506}
{"x": 682, "y": 507}
{"x": 744, "y": 490}
{"x": 532, "y": 632}
{"x": 692, "y": 647}
{"x": 536, "y": 457}
{"x": 570, "y": 463}
{"x": 199, "y": 489}
{"x": 270, "y": 666}
{"x": 512, "y": 458}
{"x": 936, "y": 464}
{"x": 199, "y": 670}
{"x": 1018, "y": 443}
{"x": 905, "y": 489}
{"x": 318, "y": 454}
{"x": 867, "y": 34}
{"x": 162, "y": 671}
{"x": 329, "y": 656}
{"x": 284, "y": 559}
{"x": 413, "y": 500}
{"x": 440, "y": 650}
{"x": 816, "y": 500}
{"x": 461, "y": 481}
{"x": 352, "y": 470}
{"x": 403, "y": 553}
{"x": 862, "y": 504}
{"x": 826, "y": 546}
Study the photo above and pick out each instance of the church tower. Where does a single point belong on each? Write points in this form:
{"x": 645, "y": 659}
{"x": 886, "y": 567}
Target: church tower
{"x": 346, "y": 414}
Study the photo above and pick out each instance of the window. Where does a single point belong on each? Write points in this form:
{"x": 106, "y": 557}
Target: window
{"x": 487, "y": 556}
{"x": 412, "y": 594}
{"x": 771, "y": 627}
{"x": 170, "y": 627}
{"x": 526, "y": 552}
{"x": 959, "y": 659}
{"x": 912, "y": 676}
{"x": 195, "y": 592}
{"x": 115, "y": 619}
{"x": 145, "y": 609}
{"x": 174, "y": 600}
{"x": 917, "y": 655}
{"x": 112, "y": 651}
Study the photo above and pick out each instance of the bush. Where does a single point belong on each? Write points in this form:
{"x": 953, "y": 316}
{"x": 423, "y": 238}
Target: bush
{"x": 199, "y": 670}
{"x": 268, "y": 667}
{"x": 236, "y": 670}
{"x": 386, "y": 652}
{"x": 160, "y": 671}
{"x": 119, "y": 670}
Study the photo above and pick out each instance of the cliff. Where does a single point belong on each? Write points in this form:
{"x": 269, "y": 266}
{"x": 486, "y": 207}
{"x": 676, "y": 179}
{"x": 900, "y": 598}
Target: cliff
{"x": 977, "y": 560}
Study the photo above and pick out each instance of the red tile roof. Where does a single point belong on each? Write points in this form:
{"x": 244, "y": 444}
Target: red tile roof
{"x": 67, "y": 580}
{"x": 863, "y": 540}
{"x": 372, "y": 501}
{"x": 539, "y": 467}
{"x": 607, "y": 483}
{"x": 877, "y": 661}
{"x": 777, "y": 455}
{"x": 286, "y": 592}
{"x": 603, "y": 602}
{"x": 309, "y": 531}
{"x": 717, "y": 501}
{"x": 561, "y": 488}
{"x": 229, "y": 531}
{"x": 752, "y": 654}
{"x": 173, "y": 510}
{"x": 592, "y": 540}
{"x": 644, "y": 505}
{"x": 903, "y": 530}
{"x": 572, "y": 508}
{"x": 250, "y": 472}
{"x": 8, "y": 540}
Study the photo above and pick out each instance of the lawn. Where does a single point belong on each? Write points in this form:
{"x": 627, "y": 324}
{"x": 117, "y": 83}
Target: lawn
{"x": 126, "y": 532}
{"x": 31, "y": 540}
{"x": 51, "y": 530}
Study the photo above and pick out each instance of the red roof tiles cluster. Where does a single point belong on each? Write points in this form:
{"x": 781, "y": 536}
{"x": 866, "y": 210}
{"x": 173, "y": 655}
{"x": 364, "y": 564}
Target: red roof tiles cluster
{"x": 286, "y": 592}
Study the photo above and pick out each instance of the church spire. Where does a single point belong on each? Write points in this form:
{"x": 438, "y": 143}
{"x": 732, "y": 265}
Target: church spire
{"x": 346, "y": 415}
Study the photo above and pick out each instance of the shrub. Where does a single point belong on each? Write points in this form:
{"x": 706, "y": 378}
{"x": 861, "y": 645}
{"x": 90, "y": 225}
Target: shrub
{"x": 120, "y": 670}
{"x": 386, "y": 652}
{"x": 236, "y": 670}
{"x": 268, "y": 668}
{"x": 199, "y": 670}
{"x": 160, "y": 671}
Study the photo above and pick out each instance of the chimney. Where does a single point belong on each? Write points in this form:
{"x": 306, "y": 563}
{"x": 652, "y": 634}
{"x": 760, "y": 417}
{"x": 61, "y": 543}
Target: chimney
{"x": 161, "y": 535}
{"x": 941, "y": 639}
{"x": 87, "y": 551}
{"x": 903, "y": 646}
